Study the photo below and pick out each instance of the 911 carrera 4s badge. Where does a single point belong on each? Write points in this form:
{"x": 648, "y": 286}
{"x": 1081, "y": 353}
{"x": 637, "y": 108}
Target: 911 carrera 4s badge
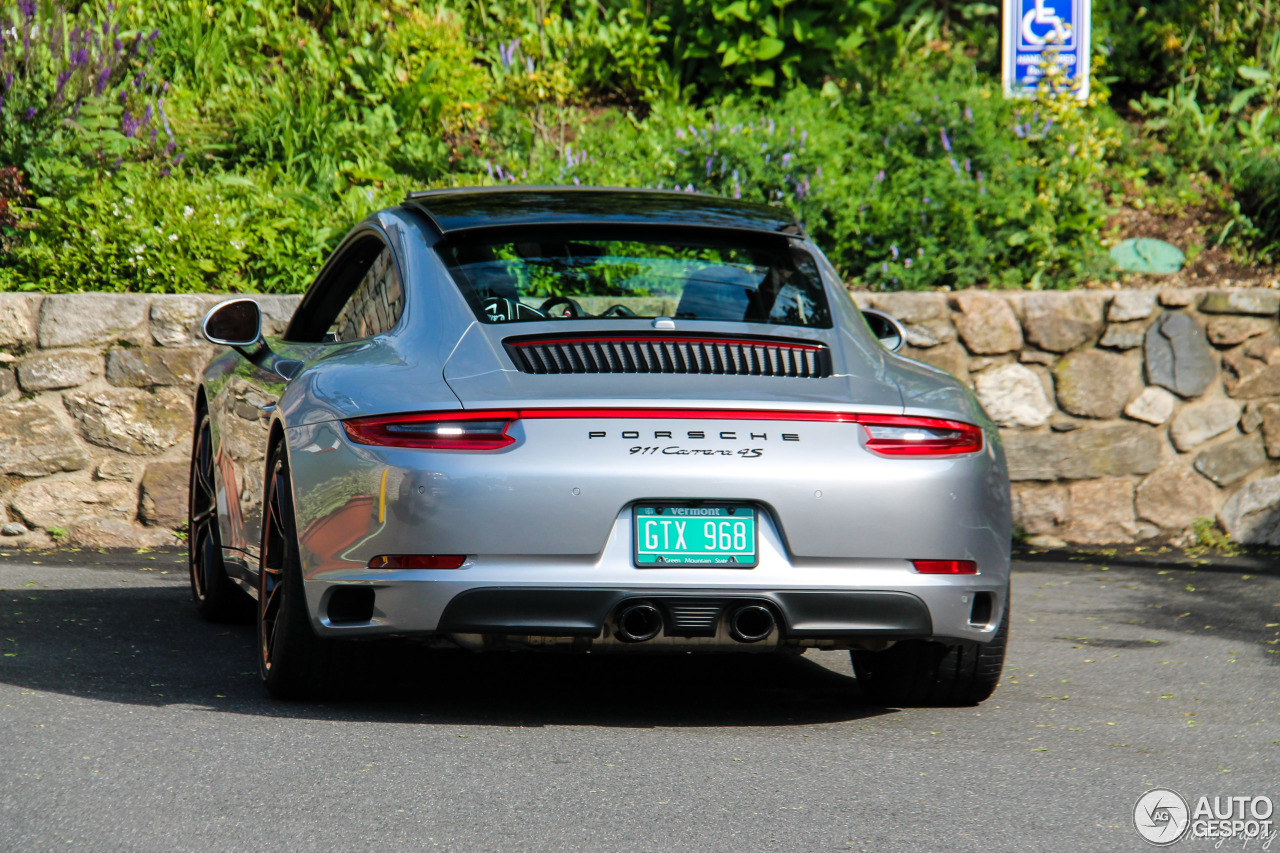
{"x": 671, "y": 535}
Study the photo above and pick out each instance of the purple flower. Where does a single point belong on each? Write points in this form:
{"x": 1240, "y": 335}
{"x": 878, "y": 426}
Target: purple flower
{"x": 966, "y": 164}
{"x": 8, "y": 81}
{"x": 179, "y": 159}
{"x": 804, "y": 136}
{"x": 1018, "y": 131}
{"x": 100, "y": 84}
{"x": 576, "y": 182}
{"x": 880, "y": 176}
{"x": 709, "y": 161}
{"x": 894, "y": 249}
{"x": 968, "y": 114}
{"x": 507, "y": 53}
{"x": 907, "y": 263}
{"x": 682, "y": 151}
{"x": 946, "y": 143}
{"x": 928, "y": 200}
{"x": 955, "y": 165}
{"x": 31, "y": 113}
{"x": 786, "y": 158}
{"x": 28, "y": 8}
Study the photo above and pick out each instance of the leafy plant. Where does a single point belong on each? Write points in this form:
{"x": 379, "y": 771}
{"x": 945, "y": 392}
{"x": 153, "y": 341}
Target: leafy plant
{"x": 71, "y": 84}
{"x": 720, "y": 46}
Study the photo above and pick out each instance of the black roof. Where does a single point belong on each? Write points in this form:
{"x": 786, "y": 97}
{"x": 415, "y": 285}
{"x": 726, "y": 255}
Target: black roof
{"x": 455, "y": 210}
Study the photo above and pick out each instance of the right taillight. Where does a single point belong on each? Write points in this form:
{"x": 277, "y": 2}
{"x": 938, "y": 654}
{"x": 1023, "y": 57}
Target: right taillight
{"x": 892, "y": 435}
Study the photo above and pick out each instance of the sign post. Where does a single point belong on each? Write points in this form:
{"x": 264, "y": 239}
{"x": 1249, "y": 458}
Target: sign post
{"x": 1033, "y": 28}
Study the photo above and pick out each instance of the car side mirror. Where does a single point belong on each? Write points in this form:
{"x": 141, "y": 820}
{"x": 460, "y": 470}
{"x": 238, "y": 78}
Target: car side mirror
{"x": 886, "y": 329}
{"x": 234, "y": 323}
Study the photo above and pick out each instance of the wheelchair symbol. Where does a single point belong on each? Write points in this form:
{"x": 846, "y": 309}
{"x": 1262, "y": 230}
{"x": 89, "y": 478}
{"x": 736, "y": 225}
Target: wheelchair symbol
{"x": 1044, "y": 16}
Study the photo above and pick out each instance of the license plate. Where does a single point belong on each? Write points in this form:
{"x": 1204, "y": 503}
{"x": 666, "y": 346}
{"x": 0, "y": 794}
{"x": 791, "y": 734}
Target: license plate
{"x": 679, "y": 535}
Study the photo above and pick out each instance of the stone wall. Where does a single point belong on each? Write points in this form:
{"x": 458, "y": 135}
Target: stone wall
{"x": 95, "y": 414}
{"x": 1126, "y": 415}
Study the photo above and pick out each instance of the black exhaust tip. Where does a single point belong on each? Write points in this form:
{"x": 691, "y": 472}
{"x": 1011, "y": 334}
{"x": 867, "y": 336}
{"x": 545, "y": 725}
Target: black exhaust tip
{"x": 751, "y": 624}
{"x": 638, "y": 623}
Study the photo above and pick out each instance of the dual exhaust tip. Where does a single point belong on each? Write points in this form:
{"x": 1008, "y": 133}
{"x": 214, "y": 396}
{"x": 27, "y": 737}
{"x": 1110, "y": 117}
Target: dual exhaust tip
{"x": 639, "y": 623}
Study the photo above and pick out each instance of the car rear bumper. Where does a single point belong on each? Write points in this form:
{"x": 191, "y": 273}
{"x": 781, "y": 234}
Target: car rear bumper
{"x": 819, "y": 602}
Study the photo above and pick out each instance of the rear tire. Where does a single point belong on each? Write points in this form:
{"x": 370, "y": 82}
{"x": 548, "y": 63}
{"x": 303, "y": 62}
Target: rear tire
{"x": 924, "y": 673}
{"x": 294, "y": 662}
{"x": 216, "y": 596}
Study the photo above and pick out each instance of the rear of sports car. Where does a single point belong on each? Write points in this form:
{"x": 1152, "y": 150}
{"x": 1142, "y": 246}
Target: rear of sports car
{"x": 660, "y": 442}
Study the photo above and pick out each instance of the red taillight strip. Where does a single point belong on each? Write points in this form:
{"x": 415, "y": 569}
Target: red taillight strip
{"x": 378, "y": 430}
{"x": 745, "y": 342}
{"x": 707, "y": 414}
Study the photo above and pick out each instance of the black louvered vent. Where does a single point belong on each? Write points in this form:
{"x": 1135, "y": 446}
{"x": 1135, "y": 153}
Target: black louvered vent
{"x": 717, "y": 357}
{"x": 694, "y": 618}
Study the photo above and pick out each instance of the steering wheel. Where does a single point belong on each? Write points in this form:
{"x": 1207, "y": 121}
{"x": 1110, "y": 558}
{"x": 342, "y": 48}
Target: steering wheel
{"x": 503, "y": 310}
{"x": 618, "y": 311}
{"x": 571, "y": 308}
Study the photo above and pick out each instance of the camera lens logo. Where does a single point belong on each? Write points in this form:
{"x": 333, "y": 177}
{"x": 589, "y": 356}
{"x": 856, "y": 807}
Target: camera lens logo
{"x": 1160, "y": 816}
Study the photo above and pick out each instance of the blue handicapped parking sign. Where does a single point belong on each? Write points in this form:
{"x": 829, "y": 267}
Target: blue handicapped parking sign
{"x": 1032, "y": 27}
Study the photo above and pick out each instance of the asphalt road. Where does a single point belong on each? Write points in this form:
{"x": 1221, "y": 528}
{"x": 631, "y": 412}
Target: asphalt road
{"x": 126, "y": 723}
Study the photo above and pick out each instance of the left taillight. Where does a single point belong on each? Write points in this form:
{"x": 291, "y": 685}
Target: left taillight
{"x": 434, "y": 430}
{"x": 892, "y": 435}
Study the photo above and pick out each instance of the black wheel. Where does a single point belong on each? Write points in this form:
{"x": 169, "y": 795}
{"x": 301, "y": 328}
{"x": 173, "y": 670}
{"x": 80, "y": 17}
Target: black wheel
{"x": 293, "y": 661}
{"x": 217, "y": 597}
{"x": 918, "y": 672}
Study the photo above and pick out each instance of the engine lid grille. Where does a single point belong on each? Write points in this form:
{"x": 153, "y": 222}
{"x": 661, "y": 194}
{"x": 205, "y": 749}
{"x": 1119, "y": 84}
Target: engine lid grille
{"x": 669, "y": 354}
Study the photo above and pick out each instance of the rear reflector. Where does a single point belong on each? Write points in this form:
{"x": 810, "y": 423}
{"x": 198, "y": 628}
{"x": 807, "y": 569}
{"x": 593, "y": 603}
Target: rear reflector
{"x": 909, "y": 436}
{"x": 418, "y": 561}
{"x": 434, "y": 430}
{"x": 945, "y": 567}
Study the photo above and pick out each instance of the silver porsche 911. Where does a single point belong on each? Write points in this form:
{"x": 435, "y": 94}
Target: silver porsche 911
{"x": 596, "y": 419}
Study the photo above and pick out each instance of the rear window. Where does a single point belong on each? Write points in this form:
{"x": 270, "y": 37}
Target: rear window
{"x": 740, "y": 278}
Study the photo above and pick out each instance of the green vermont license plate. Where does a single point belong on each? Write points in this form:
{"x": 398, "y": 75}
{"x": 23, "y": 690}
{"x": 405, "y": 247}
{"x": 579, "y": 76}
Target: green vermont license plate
{"x": 674, "y": 535}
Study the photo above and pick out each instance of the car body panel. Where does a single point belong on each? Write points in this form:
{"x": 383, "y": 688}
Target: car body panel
{"x": 552, "y": 511}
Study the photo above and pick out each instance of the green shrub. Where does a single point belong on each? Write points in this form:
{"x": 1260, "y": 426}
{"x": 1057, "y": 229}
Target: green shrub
{"x": 720, "y": 46}
{"x": 138, "y": 230}
{"x": 939, "y": 181}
